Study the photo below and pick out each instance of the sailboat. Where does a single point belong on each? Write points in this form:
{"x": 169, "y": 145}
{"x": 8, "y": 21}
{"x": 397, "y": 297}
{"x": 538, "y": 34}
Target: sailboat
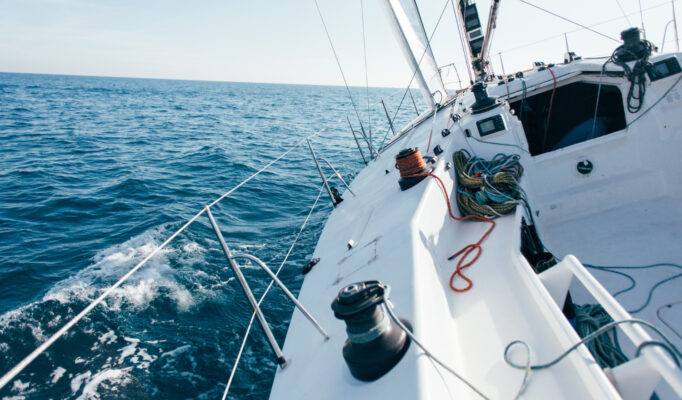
{"x": 481, "y": 240}
{"x": 518, "y": 239}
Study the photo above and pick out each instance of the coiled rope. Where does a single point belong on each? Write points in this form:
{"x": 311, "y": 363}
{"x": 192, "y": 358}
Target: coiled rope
{"x": 605, "y": 348}
{"x": 467, "y": 250}
{"x": 488, "y": 189}
{"x": 410, "y": 163}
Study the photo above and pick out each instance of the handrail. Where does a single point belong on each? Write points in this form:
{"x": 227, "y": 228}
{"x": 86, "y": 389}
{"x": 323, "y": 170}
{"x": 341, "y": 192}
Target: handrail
{"x": 654, "y": 354}
{"x": 9, "y": 375}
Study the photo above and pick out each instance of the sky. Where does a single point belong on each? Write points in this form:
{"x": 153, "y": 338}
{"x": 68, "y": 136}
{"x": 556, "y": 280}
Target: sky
{"x": 283, "y": 41}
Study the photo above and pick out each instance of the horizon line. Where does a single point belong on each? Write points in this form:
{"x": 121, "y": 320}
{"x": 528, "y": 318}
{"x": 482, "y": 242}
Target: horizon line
{"x": 197, "y": 80}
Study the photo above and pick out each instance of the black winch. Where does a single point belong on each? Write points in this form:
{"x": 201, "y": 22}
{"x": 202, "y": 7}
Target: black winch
{"x": 375, "y": 342}
{"x": 633, "y": 48}
{"x": 483, "y": 101}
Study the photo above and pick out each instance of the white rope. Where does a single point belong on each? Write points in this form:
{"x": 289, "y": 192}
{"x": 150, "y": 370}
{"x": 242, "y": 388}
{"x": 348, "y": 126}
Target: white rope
{"x": 253, "y": 315}
{"x": 7, "y": 377}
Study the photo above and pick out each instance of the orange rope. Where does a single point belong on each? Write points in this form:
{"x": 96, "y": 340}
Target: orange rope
{"x": 410, "y": 164}
{"x": 468, "y": 249}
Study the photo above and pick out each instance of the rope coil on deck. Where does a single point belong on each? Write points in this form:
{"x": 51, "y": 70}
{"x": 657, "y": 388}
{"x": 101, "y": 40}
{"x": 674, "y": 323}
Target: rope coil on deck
{"x": 487, "y": 189}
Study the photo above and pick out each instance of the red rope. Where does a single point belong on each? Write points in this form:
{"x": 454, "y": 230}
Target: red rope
{"x": 468, "y": 249}
{"x": 549, "y": 113}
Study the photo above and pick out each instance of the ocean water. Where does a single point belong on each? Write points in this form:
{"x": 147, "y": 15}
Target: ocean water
{"x": 95, "y": 173}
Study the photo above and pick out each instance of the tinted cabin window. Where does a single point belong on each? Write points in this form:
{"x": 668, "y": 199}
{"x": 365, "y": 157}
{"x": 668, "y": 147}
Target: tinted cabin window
{"x": 572, "y": 119}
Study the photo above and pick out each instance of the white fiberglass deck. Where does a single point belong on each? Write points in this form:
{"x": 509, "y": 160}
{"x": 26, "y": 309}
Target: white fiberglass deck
{"x": 403, "y": 239}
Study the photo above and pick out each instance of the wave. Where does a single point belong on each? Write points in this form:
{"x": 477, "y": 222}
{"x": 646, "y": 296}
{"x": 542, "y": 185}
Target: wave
{"x": 171, "y": 282}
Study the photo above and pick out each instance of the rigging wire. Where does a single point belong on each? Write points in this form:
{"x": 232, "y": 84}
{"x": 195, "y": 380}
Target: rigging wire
{"x": 571, "y": 21}
{"x": 641, "y": 18}
{"x": 343, "y": 75}
{"x": 253, "y": 315}
{"x": 364, "y": 50}
{"x": 579, "y": 29}
{"x": 461, "y": 40}
{"x": 623, "y": 11}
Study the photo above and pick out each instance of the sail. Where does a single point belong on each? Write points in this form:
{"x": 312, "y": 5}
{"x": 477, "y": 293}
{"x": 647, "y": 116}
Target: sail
{"x": 409, "y": 30}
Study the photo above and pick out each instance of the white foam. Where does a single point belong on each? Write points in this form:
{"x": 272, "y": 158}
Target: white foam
{"x": 19, "y": 386}
{"x": 156, "y": 278}
{"x": 107, "y": 338}
{"x": 77, "y": 381}
{"x": 173, "y": 353}
{"x": 115, "y": 376}
{"x": 57, "y": 374}
{"x": 127, "y": 351}
{"x": 146, "y": 284}
{"x": 250, "y": 246}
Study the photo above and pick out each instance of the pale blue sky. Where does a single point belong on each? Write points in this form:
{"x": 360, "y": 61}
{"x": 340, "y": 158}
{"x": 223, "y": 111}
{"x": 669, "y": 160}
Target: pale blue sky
{"x": 283, "y": 41}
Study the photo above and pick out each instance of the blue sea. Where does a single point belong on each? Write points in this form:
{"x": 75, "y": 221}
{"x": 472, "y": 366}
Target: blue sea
{"x": 95, "y": 173}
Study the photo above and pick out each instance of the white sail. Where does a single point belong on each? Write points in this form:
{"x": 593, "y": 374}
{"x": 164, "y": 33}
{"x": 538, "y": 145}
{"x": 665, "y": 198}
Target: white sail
{"x": 409, "y": 30}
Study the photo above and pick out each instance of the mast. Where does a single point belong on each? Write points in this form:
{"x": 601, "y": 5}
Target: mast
{"x": 492, "y": 20}
{"x": 479, "y": 45}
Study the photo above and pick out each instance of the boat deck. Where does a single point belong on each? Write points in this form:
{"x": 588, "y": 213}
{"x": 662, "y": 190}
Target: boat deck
{"x": 403, "y": 238}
